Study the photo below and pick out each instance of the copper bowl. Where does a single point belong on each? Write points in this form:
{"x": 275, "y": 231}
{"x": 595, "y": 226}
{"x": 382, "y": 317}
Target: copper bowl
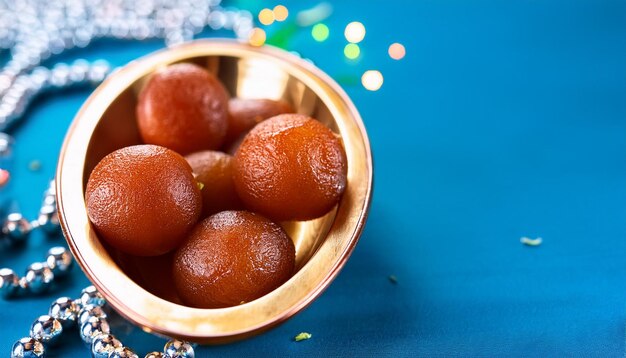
{"x": 106, "y": 122}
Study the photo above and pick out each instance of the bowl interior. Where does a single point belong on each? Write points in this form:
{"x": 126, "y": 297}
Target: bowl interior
{"x": 244, "y": 78}
{"x": 107, "y": 122}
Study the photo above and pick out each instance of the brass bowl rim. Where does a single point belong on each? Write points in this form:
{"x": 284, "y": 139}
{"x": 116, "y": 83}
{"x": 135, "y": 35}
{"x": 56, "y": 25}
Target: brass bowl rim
{"x": 69, "y": 188}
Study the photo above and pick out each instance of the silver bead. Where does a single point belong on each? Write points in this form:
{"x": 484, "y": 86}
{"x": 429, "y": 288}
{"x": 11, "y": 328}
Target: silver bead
{"x": 102, "y": 28}
{"x": 6, "y": 145}
{"x": 52, "y": 189}
{"x": 24, "y": 287}
{"x": 103, "y": 345}
{"x": 155, "y": 355}
{"x": 89, "y": 311}
{"x": 60, "y": 76}
{"x": 64, "y": 310}
{"x": 16, "y": 227}
{"x": 59, "y": 260}
{"x": 40, "y": 77}
{"x": 46, "y": 329}
{"x": 68, "y": 38}
{"x": 6, "y": 79}
{"x": 98, "y": 71}
{"x": 7, "y": 106}
{"x": 140, "y": 31}
{"x": 78, "y": 71}
{"x": 28, "y": 348}
{"x": 57, "y": 46}
{"x": 83, "y": 36}
{"x": 9, "y": 283}
{"x": 78, "y": 304}
{"x": 49, "y": 197}
{"x": 48, "y": 219}
{"x": 123, "y": 352}
{"x": 243, "y": 29}
{"x": 92, "y": 328}
{"x": 39, "y": 277}
{"x": 178, "y": 349}
{"x": 90, "y": 296}
{"x": 120, "y": 29}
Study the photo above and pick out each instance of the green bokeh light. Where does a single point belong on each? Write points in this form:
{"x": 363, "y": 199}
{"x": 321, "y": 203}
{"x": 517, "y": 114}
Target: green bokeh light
{"x": 320, "y": 32}
{"x": 352, "y": 51}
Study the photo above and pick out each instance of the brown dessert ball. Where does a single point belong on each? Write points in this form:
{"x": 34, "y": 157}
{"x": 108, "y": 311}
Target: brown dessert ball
{"x": 244, "y": 114}
{"x": 214, "y": 171}
{"x": 153, "y": 273}
{"x": 143, "y": 199}
{"x": 183, "y": 107}
{"x": 230, "y": 258}
{"x": 290, "y": 167}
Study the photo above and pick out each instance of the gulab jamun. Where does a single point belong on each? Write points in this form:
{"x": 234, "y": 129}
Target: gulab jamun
{"x": 290, "y": 167}
{"x": 183, "y": 107}
{"x": 244, "y": 114}
{"x": 143, "y": 199}
{"x": 230, "y": 258}
{"x": 153, "y": 273}
{"x": 214, "y": 170}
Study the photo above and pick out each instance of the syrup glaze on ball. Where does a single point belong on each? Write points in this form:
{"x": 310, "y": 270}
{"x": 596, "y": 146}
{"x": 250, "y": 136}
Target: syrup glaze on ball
{"x": 290, "y": 167}
{"x": 230, "y": 258}
{"x": 244, "y": 114}
{"x": 183, "y": 107}
{"x": 214, "y": 170}
{"x": 143, "y": 199}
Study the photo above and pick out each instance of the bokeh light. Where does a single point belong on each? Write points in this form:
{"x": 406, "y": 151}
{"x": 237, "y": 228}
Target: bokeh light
{"x": 372, "y": 80}
{"x": 355, "y": 32}
{"x": 316, "y": 14}
{"x": 397, "y": 51}
{"x": 280, "y": 13}
{"x": 352, "y": 51}
{"x": 4, "y": 177}
{"x": 266, "y": 17}
{"x": 257, "y": 37}
{"x": 320, "y": 32}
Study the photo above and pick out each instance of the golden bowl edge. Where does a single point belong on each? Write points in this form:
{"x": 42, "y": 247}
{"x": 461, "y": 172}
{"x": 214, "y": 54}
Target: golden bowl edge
{"x": 157, "y": 315}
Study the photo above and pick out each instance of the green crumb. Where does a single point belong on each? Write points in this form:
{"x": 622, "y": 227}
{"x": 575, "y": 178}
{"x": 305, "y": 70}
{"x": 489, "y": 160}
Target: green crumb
{"x": 303, "y": 336}
{"x": 200, "y": 185}
{"x": 393, "y": 279}
{"x": 531, "y": 242}
{"x": 34, "y": 165}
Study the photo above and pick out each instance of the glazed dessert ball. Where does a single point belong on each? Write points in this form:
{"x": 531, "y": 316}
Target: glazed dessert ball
{"x": 153, "y": 273}
{"x": 244, "y": 114}
{"x": 290, "y": 167}
{"x": 214, "y": 171}
{"x": 143, "y": 199}
{"x": 230, "y": 258}
{"x": 183, "y": 107}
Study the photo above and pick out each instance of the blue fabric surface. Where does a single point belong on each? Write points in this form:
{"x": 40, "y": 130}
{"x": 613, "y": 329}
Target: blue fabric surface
{"x": 505, "y": 119}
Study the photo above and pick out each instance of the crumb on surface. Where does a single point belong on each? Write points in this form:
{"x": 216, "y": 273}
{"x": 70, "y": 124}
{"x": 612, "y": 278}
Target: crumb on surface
{"x": 34, "y": 165}
{"x": 302, "y": 336}
{"x": 531, "y": 242}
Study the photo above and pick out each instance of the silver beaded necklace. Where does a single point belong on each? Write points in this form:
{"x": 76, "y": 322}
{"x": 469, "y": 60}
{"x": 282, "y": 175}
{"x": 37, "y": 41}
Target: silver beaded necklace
{"x": 88, "y": 312}
{"x": 33, "y": 31}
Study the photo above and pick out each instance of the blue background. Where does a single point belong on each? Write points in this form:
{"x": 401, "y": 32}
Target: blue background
{"x": 505, "y": 119}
